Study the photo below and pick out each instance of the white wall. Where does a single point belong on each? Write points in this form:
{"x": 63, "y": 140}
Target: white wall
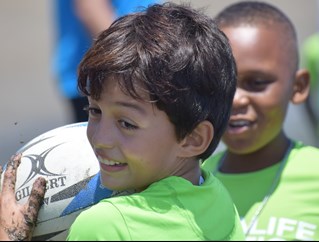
{"x": 30, "y": 102}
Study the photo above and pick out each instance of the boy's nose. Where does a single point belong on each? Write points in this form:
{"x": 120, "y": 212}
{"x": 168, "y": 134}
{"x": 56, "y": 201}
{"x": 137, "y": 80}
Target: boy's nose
{"x": 241, "y": 98}
{"x": 101, "y": 134}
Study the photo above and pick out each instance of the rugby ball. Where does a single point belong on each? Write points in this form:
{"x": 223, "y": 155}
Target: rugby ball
{"x": 65, "y": 158}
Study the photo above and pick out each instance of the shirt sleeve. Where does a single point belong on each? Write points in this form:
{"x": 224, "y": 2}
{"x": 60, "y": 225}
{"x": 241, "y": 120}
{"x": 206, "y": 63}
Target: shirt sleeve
{"x": 102, "y": 221}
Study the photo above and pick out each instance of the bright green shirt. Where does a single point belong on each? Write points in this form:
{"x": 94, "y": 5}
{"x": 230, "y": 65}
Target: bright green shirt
{"x": 292, "y": 211}
{"x": 170, "y": 209}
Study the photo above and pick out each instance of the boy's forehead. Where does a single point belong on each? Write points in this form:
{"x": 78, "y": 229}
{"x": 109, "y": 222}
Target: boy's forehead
{"x": 248, "y": 32}
{"x": 260, "y": 34}
{"x": 117, "y": 84}
{"x": 255, "y": 46}
{"x": 245, "y": 33}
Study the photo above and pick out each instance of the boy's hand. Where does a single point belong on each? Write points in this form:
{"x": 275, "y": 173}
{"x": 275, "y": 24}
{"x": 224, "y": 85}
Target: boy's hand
{"x": 17, "y": 221}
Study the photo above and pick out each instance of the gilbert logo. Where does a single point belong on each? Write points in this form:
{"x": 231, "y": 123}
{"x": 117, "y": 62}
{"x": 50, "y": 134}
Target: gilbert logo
{"x": 38, "y": 162}
{"x": 38, "y": 167}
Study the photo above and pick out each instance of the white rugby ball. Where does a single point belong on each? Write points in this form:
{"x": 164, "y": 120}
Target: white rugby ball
{"x": 65, "y": 158}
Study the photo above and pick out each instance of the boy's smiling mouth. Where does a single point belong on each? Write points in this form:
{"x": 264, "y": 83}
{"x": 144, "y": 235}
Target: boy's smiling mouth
{"x": 239, "y": 126}
{"x": 109, "y": 162}
{"x": 110, "y": 165}
{"x": 239, "y": 123}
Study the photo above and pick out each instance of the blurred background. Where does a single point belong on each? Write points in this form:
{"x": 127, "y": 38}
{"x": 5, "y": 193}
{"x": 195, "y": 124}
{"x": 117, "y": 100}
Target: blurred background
{"x": 31, "y": 102}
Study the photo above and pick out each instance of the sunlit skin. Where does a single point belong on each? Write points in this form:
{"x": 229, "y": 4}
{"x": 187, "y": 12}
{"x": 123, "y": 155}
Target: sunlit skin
{"x": 139, "y": 137}
{"x": 255, "y": 137}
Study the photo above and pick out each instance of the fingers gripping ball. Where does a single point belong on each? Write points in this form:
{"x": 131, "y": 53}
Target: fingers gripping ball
{"x": 18, "y": 220}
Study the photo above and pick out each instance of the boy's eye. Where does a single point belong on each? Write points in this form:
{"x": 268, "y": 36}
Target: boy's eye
{"x": 258, "y": 84}
{"x": 255, "y": 84}
{"x": 92, "y": 111}
{"x": 126, "y": 125}
{"x": 96, "y": 112}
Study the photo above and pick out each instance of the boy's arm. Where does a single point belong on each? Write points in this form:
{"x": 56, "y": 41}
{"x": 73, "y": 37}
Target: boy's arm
{"x": 17, "y": 221}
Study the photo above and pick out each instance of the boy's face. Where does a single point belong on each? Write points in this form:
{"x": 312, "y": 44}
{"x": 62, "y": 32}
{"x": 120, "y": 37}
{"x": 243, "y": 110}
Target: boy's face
{"x": 134, "y": 142}
{"x": 264, "y": 87}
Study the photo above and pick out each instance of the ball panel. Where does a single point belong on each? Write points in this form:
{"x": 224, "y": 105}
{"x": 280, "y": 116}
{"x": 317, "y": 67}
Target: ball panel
{"x": 91, "y": 194}
{"x": 65, "y": 158}
{"x": 55, "y": 229}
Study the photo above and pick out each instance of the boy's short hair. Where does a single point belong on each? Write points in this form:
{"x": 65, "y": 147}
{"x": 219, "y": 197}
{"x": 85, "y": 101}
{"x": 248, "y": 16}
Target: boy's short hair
{"x": 177, "y": 55}
{"x": 256, "y": 13}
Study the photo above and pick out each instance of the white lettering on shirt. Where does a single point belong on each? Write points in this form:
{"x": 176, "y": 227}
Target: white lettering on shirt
{"x": 279, "y": 229}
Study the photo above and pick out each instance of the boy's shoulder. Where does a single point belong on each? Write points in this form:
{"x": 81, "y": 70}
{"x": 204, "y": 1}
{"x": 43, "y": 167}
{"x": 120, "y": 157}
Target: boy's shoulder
{"x": 302, "y": 162}
{"x": 169, "y": 198}
{"x": 305, "y": 152}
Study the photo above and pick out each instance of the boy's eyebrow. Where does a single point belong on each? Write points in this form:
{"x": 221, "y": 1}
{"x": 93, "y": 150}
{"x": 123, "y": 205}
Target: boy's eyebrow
{"x": 262, "y": 73}
{"x": 131, "y": 105}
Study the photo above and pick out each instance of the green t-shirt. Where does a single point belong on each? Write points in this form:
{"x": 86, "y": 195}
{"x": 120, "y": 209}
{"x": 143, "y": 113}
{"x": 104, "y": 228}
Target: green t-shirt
{"x": 170, "y": 209}
{"x": 292, "y": 211}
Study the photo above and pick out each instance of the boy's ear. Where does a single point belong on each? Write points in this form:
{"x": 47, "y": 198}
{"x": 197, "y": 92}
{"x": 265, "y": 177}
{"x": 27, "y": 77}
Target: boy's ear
{"x": 301, "y": 86}
{"x": 198, "y": 141}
